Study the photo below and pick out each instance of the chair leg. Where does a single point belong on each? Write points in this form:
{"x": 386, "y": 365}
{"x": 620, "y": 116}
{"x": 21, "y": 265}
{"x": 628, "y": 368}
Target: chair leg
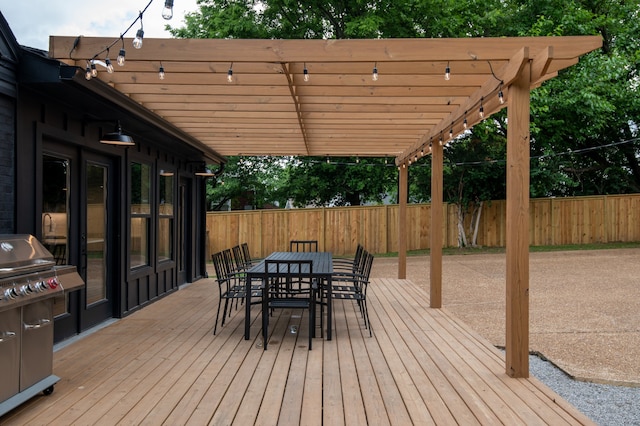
{"x": 224, "y": 316}
{"x": 217, "y": 316}
{"x": 265, "y": 320}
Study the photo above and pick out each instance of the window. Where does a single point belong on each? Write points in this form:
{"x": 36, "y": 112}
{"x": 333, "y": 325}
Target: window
{"x": 165, "y": 217}
{"x": 140, "y": 214}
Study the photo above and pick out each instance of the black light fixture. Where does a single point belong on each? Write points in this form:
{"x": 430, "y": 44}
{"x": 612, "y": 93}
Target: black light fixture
{"x": 117, "y": 138}
{"x": 204, "y": 171}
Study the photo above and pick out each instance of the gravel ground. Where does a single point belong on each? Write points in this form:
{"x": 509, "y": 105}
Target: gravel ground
{"x": 604, "y": 404}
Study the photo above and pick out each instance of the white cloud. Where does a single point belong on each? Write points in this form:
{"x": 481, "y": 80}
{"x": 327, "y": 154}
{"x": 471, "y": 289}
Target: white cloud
{"x": 33, "y": 21}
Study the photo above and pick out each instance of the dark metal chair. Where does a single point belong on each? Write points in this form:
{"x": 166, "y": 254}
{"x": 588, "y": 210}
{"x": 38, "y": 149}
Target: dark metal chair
{"x": 303, "y": 245}
{"x": 284, "y": 288}
{"x": 231, "y": 285}
{"x": 353, "y": 286}
{"x": 349, "y": 265}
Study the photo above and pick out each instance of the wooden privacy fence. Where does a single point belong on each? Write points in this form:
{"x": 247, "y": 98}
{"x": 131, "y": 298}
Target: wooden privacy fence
{"x": 553, "y": 221}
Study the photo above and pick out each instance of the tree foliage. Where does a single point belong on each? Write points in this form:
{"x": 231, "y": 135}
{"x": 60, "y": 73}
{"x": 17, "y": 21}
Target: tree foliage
{"x": 583, "y": 123}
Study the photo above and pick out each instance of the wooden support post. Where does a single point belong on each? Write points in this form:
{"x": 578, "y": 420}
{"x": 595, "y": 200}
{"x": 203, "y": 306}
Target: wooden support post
{"x": 435, "y": 237}
{"x": 517, "y": 291}
{"x": 403, "y": 191}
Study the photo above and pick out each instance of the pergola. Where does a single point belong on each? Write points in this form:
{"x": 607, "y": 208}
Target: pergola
{"x": 381, "y": 98}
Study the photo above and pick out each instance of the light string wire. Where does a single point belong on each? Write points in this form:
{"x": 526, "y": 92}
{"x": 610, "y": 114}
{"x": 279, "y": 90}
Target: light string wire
{"x": 476, "y": 163}
{"x": 552, "y": 155}
{"x": 106, "y": 49}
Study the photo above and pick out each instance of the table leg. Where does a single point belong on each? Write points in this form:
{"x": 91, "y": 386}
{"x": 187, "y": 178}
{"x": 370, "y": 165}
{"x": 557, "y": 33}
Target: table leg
{"x": 329, "y": 308}
{"x": 247, "y": 308}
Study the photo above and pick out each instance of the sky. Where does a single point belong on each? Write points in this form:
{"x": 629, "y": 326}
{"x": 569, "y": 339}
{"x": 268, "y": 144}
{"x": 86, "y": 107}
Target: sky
{"x": 33, "y": 21}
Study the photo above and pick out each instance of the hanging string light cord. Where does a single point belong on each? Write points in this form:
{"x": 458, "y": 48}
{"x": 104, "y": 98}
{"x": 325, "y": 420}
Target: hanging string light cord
{"x": 106, "y": 49}
{"x": 555, "y": 154}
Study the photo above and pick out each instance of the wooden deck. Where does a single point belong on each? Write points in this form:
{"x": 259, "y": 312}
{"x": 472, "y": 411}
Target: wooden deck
{"x": 162, "y": 365}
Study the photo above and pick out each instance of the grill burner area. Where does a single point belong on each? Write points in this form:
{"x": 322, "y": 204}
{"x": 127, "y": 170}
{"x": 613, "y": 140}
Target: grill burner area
{"x": 29, "y": 280}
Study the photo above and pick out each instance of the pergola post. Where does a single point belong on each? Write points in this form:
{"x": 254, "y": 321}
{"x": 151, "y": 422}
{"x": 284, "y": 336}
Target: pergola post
{"x": 435, "y": 228}
{"x": 403, "y": 191}
{"x": 517, "y": 232}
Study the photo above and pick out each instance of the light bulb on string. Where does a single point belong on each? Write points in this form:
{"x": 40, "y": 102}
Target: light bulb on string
{"x": 374, "y": 73}
{"x": 451, "y": 132}
{"x": 167, "y": 11}
{"x": 137, "y": 42}
{"x": 501, "y": 95}
{"x": 161, "y": 72}
{"x": 305, "y": 71}
{"x": 481, "y": 111}
{"x": 94, "y": 70}
{"x": 108, "y": 63}
{"x": 87, "y": 72}
{"x": 464, "y": 122}
{"x": 121, "y": 55}
{"x": 230, "y": 73}
{"x": 447, "y": 72}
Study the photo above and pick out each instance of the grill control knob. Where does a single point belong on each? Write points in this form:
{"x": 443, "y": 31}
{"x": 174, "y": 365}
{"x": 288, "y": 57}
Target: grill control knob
{"x": 41, "y": 286}
{"x": 33, "y": 288}
{"x": 24, "y": 290}
{"x": 52, "y": 283}
{"x": 10, "y": 294}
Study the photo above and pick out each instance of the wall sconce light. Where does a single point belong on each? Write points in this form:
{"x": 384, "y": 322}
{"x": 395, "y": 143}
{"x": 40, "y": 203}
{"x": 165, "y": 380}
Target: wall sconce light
{"x": 117, "y": 138}
{"x": 166, "y": 173}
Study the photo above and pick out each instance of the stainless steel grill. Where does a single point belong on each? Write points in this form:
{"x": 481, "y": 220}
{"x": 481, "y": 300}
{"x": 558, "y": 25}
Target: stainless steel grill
{"x": 29, "y": 280}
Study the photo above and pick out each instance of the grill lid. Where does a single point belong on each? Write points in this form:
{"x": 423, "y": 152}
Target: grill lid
{"x": 23, "y": 253}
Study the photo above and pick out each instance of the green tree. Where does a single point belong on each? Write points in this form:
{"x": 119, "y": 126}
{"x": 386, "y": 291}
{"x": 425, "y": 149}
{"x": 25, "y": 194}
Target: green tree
{"x": 339, "y": 181}
{"x": 581, "y": 120}
{"x": 253, "y": 179}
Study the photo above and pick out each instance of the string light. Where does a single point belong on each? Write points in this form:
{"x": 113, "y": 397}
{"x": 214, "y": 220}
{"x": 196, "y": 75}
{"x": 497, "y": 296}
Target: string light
{"x": 305, "y": 71}
{"x": 451, "y": 132}
{"x": 137, "y": 41}
{"x": 108, "y": 63}
{"x": 501, "y": 95}
{"x": 374, "y": 73}
{"x": 464, "y": 123}
{"x": 230, "y": 73}
{"x": 94, "y": 70}
{"x": 161, "y": 72}
{"x": 167, "y": 11}
{"x": 447, "y": 72}
{"x": 120, "y": 59}
{"x": 481, "y": 111}
{"x": 87, "y": 72}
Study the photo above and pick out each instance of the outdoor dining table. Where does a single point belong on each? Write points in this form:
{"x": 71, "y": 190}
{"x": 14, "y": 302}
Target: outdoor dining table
{"x": 322, "y": 270}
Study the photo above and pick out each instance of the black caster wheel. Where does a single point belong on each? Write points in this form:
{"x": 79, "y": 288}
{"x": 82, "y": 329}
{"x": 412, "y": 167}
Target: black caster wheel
{"x": 48, "y": 391}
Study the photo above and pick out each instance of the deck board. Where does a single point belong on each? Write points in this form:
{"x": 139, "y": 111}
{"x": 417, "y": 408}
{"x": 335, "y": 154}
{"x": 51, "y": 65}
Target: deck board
{"x": 163, "y": 365}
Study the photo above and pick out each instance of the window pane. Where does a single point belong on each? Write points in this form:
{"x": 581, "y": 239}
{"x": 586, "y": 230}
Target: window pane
{"x": 140, "y": 188}
{"x": 165, "y": 239}
{"x": 55, "y": 220}
{"x": 166, "y": 196}
{"x": 139, "y": 241}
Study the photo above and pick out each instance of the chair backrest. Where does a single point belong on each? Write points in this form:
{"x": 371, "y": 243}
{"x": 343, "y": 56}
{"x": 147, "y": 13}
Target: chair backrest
{"x": 288, "y": 275}
{"x": 238, "y": 258}
{"x": 230, "y": 263}
{"x": 223, "y": 274}
{"x": 303, "y": 245}
{"x": 246, "y": 253}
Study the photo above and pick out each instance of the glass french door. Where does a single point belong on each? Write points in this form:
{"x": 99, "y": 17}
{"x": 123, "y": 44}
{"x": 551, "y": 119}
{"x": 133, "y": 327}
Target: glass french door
{"x": 96, "y": 246}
